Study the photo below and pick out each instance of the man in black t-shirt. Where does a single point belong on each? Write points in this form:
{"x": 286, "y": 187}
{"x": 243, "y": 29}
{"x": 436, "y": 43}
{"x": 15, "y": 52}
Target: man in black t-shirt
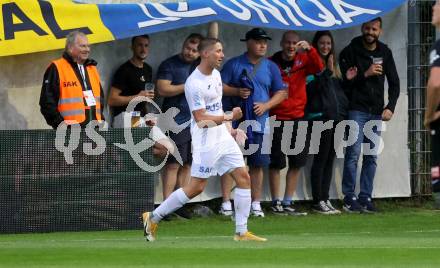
{"x": 130, "y": 79}
{"x": 432, "y": 113}
{"x": 129, "y": 82}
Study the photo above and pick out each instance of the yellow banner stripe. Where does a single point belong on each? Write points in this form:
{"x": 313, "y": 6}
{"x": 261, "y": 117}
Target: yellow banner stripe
{"x": 25, "y": 29}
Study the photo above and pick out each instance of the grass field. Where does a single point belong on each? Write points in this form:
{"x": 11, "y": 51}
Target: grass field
{"x": 397, "y": 237}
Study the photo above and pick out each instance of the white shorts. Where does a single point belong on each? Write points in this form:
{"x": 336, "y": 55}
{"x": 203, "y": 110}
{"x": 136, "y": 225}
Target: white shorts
{"x": 220, "y": 159}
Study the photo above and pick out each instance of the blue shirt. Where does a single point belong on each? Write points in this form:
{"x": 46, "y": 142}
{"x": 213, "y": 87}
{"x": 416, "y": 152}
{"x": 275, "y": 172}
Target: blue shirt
{"x": 176, "y": 70}
{"x": 267, "y": 81}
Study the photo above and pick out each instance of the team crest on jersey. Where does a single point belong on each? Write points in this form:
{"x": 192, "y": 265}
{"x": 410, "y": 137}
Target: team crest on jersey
{"x": 433, "y": 56}
{"x": 142, "y": 79}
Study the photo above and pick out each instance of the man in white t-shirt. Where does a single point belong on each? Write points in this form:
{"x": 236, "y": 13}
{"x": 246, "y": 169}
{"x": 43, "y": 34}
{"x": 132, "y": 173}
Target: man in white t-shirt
{"x": 214, "y": 148}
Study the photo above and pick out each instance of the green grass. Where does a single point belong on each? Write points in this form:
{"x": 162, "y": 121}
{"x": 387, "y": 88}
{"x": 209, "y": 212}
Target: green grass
{"x": 398, "y": 237}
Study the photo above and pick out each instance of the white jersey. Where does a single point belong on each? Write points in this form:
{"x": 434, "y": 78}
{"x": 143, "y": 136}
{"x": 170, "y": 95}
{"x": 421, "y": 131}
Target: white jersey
{"x": 205, "y": 92}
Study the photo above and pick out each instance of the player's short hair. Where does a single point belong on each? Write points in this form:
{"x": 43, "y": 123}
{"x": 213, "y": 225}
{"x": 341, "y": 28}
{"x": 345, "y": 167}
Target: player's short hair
{"x": 207, "y": 43}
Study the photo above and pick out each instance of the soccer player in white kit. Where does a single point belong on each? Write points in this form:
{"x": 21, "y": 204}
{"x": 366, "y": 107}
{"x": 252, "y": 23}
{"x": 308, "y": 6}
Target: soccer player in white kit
{"x": 214, "y": 148}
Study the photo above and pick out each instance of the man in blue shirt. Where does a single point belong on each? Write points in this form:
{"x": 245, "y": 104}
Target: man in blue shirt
{"x": 171, "y": 77}
{"x": 254, "y": 83}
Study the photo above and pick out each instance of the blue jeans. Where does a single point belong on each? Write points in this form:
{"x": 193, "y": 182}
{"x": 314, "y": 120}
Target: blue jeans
{"x": 352, "y": 156}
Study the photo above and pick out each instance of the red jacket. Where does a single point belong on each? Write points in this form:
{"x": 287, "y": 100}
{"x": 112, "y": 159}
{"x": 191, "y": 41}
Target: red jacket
{"x": 304, "y": 64}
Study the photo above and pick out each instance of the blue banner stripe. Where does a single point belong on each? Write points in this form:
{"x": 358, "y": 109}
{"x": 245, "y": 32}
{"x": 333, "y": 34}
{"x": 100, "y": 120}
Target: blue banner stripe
{"x": 126, "y": 20}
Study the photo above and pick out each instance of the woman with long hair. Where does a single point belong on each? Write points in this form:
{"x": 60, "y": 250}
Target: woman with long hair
{"x": 327, "y": 102}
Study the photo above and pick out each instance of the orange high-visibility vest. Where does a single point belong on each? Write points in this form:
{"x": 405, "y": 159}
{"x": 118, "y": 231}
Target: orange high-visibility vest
{"x": 71, "y": 103}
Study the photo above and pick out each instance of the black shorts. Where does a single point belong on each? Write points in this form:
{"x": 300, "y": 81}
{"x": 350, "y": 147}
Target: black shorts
{"x": 257, "y": 159}
{"x": 278, "y": 157}
{"x": 183, "y": 144}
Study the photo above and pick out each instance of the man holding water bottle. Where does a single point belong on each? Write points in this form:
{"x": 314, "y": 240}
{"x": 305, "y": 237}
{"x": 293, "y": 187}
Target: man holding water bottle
{"x": 132, "y": 79}
{"x": 374, "y": 62}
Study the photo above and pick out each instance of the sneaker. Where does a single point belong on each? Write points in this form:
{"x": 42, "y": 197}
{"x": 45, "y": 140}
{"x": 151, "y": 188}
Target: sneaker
{"x": 351, "y": 205}
{"x": 322, "y": 208}
{"x": 225, "y": 212}
{"x": 150, "y": 227}
{"x": 367, "y": 206}
{"x": 183, "y": 213}
{"x": 290, "y": 210}
{"x": 226, "y": 209}
{"x": 277, "y": 208}
{"x": 257, "y": 212}
{"x": 332, "y": 208}
{"x": 248, "y": 236}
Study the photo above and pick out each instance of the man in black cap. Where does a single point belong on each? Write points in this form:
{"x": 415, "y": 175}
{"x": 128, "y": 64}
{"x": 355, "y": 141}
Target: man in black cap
{"x": 254, "y": 83}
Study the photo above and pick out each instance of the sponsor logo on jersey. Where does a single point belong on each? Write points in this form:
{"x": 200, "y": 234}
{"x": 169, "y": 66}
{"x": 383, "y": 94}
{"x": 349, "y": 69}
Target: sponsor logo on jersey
{"x": 214, "y": 107}
{"x": 203, "y": 169}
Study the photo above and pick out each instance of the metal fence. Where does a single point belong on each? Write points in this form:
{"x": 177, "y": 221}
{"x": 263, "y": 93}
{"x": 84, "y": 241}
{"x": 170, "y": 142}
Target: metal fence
{"x": 41, "y": 192}
{"x": 421, "y": 36}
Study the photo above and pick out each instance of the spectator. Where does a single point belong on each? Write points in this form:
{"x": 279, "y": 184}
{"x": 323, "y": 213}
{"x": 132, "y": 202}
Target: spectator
{"x": 129, "y": 82}
{"x": 432, "y": 113}
{"x": 374, "y": 61}
{"x": 71, "y": 90}
{"x": 296, "y": 60}
{"x": 327, "y": 103}
{"x": 268, "y": 90}
{"x": 130, "y": 79}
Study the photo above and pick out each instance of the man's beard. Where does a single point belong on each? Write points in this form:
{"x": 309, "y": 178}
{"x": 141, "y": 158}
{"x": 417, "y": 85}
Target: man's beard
{"x": 364, "y": 37}
{"x": 140, "y": 57}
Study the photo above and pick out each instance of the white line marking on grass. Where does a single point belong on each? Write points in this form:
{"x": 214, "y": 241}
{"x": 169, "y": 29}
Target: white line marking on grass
{"x": 423, "y": 231}
{"x": 140, "y": 238}
{"x": 354, "y": 233}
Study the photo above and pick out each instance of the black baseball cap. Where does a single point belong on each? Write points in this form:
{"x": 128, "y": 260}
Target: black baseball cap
{"x": 256, "y": 34}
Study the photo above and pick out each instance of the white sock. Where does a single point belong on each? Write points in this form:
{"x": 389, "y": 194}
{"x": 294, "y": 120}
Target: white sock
{"x": 256, "y": 205}
{"x": 175, "y": 201}
{"x": 242, "y": 205}
{"x": 227, "y": 205}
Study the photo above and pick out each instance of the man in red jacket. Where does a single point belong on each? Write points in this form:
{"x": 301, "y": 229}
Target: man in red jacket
{"x": 296, "y": 60}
